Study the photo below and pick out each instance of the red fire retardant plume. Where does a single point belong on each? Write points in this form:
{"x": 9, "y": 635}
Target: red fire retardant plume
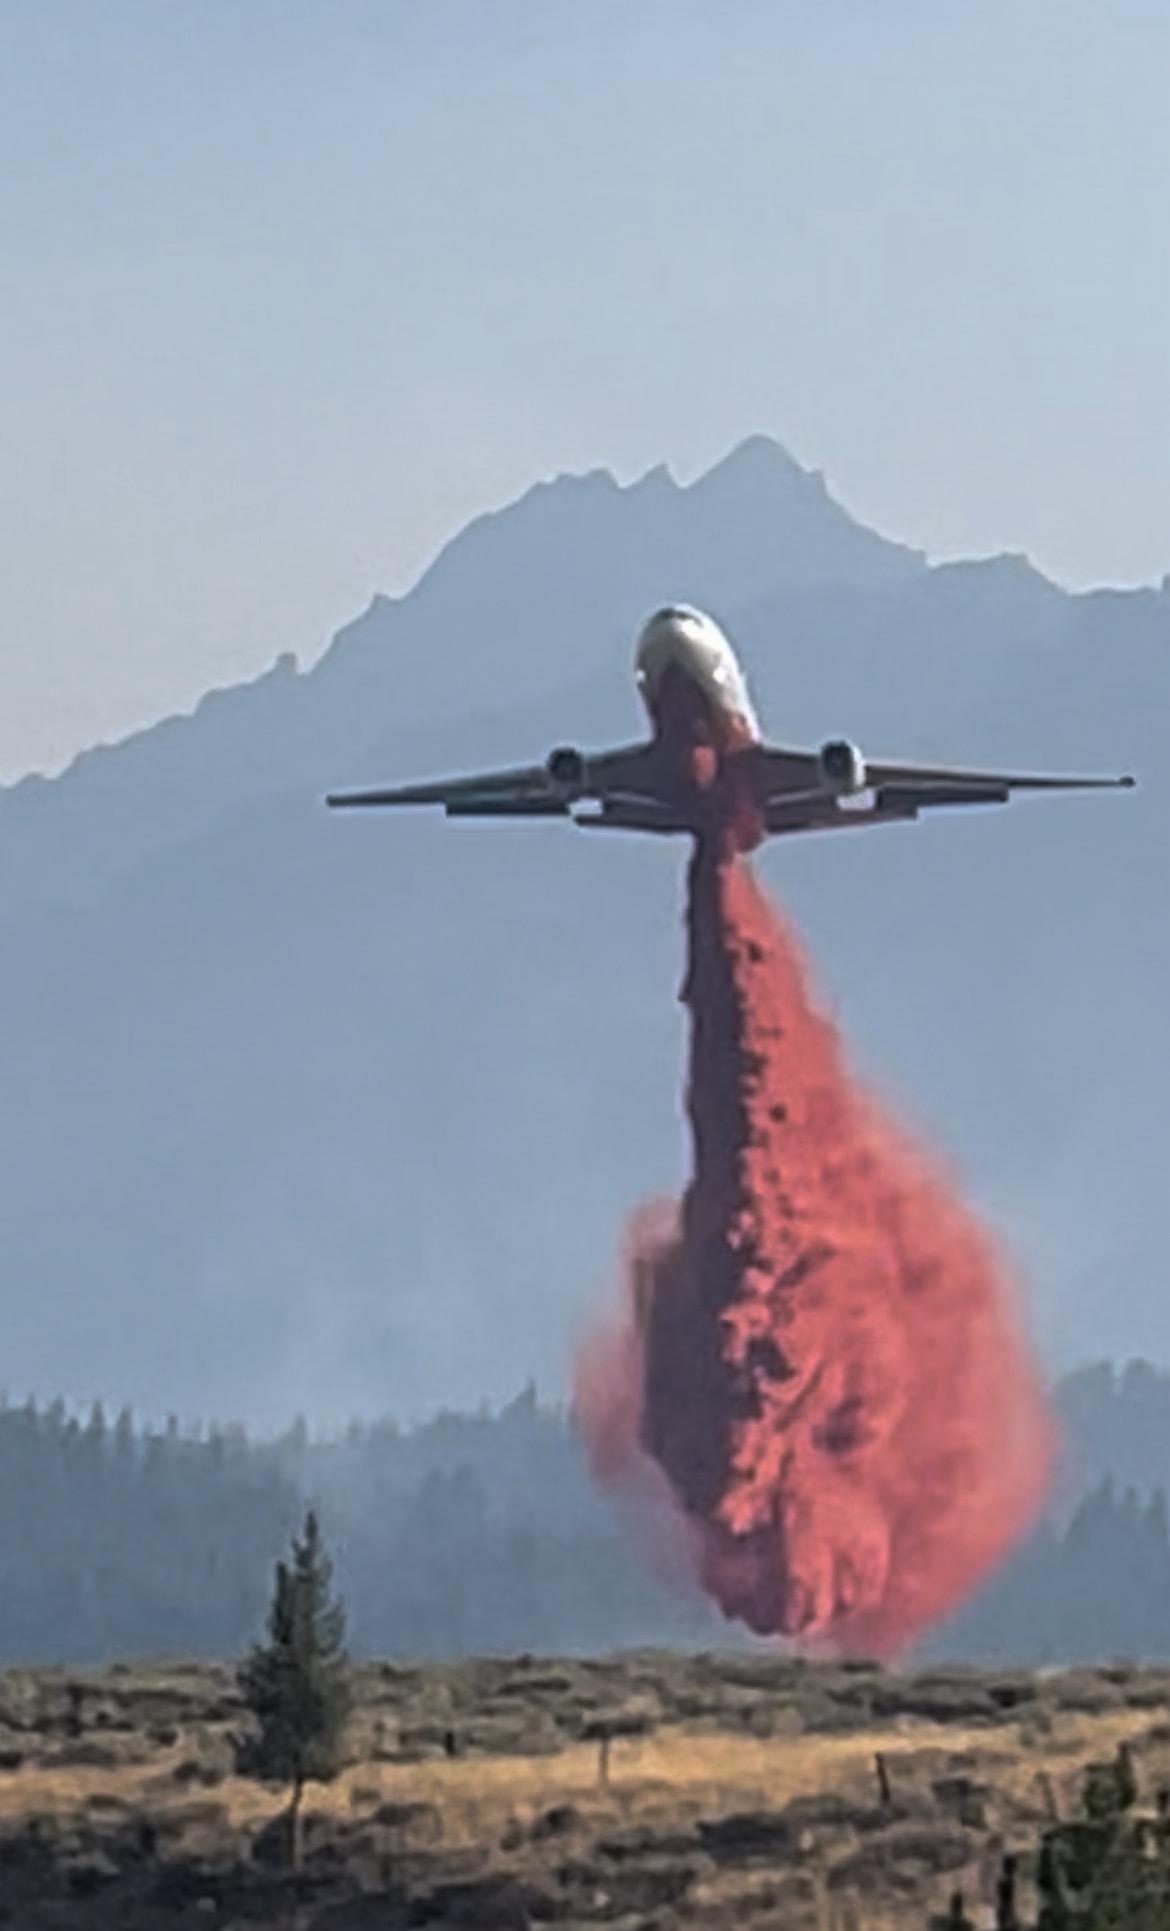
{"x": 818, "y": 1350}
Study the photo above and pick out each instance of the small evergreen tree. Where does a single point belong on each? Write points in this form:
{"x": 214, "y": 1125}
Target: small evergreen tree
{"x": 1125, "y": 1777}
{"x": 1107, "y": 1869}
{"x": 296, "y": 1685}
{"x": 1054, "y": 1913}
{"x": 954, "y": 1918}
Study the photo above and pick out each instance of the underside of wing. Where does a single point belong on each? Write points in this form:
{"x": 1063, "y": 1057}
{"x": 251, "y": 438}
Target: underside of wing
{"x": 932, "y": 781}
{"x": 631, "y": 772}
{"x": 485, "y": 806}
{"x": 627, "y": 774}
{"x": 781, "y": 772}
{"x": 525, "y": 782}
{"x": 632, "y": 788}
{"x": 785, "y": 775}
{"x": 784, "y": 820}
{"x": 634, "y": 814}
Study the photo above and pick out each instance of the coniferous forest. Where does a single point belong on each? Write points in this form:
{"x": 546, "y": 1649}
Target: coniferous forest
{"x": 482, "y": 1532}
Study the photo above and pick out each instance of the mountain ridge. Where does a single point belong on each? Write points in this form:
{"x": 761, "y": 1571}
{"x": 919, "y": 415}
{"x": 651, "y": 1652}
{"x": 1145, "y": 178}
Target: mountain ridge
{"x": 304, "y": 1113}
{"x": 305, "y": 731}
{"x": 197, "y": 765}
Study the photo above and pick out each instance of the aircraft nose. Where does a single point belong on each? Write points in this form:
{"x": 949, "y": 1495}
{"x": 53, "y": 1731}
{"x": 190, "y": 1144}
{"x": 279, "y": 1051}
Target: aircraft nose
{"x": 663, "y": 640}
{"x": 675, "y": 637}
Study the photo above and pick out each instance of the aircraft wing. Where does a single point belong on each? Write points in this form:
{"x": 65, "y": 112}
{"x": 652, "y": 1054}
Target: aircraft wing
{"x": 943, "y": 778}
{"x": 631, "y": 791}
{"x": 627, "y": 774}
{"x": 525, "y": 783}
{"x": 795, "y": 796}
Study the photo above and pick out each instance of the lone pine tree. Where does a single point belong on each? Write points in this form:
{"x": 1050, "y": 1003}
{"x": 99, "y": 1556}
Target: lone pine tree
{"x": 296, "y": 1685}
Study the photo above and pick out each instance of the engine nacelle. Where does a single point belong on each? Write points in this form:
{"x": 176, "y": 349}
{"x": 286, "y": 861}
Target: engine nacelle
{"x": 842, "y": 768}
{"x": 566, "y": 772}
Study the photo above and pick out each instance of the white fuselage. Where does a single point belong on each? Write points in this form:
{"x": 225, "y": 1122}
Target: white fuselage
{"x": 683, "y": 654}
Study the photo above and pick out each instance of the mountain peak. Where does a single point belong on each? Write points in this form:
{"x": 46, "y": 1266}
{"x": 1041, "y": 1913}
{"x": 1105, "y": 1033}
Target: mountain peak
{"x": 788, "y": 518}
{"x": 753, "y": 522}
{"x": 657, "y": 478}
{"x": 754, "y": 463}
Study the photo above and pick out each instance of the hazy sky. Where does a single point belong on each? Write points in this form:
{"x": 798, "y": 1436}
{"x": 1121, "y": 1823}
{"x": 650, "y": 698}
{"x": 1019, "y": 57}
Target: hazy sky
{"x": 289, "y": 288}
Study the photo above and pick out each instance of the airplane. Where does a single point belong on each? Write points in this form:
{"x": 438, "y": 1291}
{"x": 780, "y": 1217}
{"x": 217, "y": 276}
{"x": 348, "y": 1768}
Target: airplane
{"x": 706, "y": 768}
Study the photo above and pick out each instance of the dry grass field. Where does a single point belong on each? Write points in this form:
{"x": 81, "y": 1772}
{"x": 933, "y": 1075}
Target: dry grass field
{"x": 740, "y": 1791}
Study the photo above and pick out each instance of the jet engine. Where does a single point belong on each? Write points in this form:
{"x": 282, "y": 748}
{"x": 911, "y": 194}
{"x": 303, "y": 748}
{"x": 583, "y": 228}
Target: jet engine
{"x": 842, "y": 768}
{"x": 566, "y": 772}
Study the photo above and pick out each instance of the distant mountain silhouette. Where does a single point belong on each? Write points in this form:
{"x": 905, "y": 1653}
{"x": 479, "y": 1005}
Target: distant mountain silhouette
{"x": 525, "y": 602}
{"x": 300, "y": 1112}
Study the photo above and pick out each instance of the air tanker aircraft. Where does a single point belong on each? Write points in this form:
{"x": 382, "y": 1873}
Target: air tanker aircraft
{"x": 706, "y": 769}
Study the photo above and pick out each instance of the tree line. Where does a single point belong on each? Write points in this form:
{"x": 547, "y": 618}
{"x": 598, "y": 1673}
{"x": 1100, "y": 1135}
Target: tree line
{"x": 482, "y": 1532}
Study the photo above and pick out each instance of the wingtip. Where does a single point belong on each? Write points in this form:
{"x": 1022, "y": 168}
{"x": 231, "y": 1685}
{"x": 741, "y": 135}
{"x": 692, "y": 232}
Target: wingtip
{"x": 1128, "y": 782}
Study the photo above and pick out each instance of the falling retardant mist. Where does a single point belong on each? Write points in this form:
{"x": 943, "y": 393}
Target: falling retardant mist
{"x": 818, "y": 1348}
